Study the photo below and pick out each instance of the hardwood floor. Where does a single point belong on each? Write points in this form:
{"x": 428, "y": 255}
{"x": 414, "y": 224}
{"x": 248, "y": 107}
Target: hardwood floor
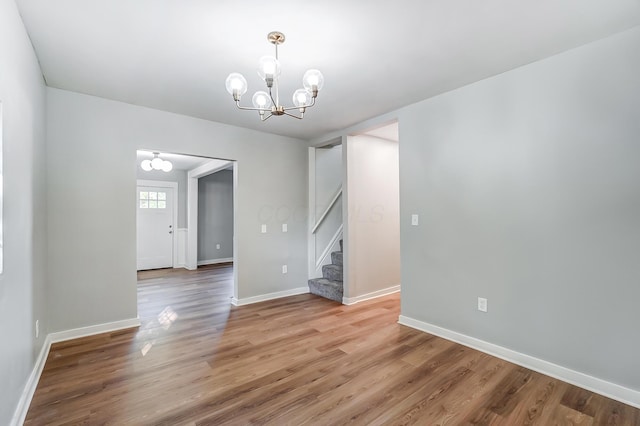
{"x": 197, "y": 360}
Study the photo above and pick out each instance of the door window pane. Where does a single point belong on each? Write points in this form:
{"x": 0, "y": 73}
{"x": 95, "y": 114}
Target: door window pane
{"x": 153, "y": 200}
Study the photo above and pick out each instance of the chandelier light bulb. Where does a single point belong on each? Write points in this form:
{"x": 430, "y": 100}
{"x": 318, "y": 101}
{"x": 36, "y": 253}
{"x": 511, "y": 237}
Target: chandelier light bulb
{"x": 146, "y": 165}
{"x": 236, "y": 85}
{"x": 156, "y": 163}
{"x": 268, "y": 69}
{"x": 167, "y": 166}
{"x": 268, "y": 66}
{"x": 313, "y": 80}
{"x": 301, "y": 98}
{"x": 261, "y": 100}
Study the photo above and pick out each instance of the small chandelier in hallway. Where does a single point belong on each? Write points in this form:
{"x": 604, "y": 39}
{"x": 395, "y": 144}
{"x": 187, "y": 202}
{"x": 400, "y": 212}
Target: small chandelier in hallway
{"x": 269, "y": 71}
{"x": 156, "y": 164}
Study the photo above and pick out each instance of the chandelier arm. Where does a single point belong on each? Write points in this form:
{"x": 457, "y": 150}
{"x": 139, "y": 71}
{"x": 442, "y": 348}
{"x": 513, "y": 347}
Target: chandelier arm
{"x": 294, "y": 116}
{"x": 251, "y": 108}
{"x": 306, "y": 106}
{"x": 295, "y": 107}
{"x": 263, "y": 118}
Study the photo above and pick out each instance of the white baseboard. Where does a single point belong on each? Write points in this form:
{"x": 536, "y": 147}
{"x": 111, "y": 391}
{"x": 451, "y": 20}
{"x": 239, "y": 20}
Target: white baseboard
{"x": 32, "y": 383}
{"x": 30, "y": 387}
{"x": 215, "y": 261}
{"x": 373, "y": 295}
{"x": 269, "y": 296}
{"x": 593, "y": 384}
{"x": 76, "y": 333}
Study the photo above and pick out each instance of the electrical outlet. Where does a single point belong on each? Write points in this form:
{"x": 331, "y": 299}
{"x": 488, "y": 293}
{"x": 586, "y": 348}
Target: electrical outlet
{"x": 284, "y": 227}
{"x": 284, "y": 269}
{"x": 414, "y": 220}
{"x": 482, "y": 304}
{"x": 37, "y": 328}
{"x": 263, "y": 229}
{"x": 217, "y": 246}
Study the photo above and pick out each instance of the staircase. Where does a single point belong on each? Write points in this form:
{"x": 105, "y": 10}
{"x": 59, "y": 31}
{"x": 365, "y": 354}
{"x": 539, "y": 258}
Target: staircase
{"x": 330, "y": 285}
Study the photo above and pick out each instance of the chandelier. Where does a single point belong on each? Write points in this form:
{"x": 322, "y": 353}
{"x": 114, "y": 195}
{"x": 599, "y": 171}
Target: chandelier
{"x": 269, "y": 71}
{"x": 156, "y": 164}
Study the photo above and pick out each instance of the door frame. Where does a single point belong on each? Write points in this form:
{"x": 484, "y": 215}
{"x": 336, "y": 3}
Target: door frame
{"x": 174, "y": 188}
{"x": 214, "y": 165}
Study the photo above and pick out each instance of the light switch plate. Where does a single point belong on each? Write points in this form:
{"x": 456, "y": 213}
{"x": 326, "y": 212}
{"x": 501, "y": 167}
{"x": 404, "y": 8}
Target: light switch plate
{"x": 482, "y": 304}
{"x": 284, "y": 227}
{"x": 264, "y": 229}
{"x": 284, "y": 269}
{"x": 414, "y": 220}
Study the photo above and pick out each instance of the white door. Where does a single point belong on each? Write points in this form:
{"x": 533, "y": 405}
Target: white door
{"x": 155, "y": 227}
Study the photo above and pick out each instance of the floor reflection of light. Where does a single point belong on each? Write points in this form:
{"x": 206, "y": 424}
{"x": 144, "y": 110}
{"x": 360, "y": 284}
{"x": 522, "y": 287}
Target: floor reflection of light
{"x": 146, "y": 348}
{"x": 151, "y": 330}
{"x": 167, "y": 317}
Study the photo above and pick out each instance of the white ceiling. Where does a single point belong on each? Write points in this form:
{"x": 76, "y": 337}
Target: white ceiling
{"x": 376, "y": 55}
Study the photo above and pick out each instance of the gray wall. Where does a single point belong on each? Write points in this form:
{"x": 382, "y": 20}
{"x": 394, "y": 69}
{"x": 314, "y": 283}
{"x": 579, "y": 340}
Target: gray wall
{"x": 22, "y": 288}
{"x": 92, "y": 250}
{"x": 528, "y": 190}
{"x": 215, "y": 216}
{"x": 179, "y": 176}
{"x": 373, "y": 231}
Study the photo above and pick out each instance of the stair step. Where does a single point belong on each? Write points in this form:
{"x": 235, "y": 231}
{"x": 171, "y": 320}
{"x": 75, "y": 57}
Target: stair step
{"x": 326, "y": 288}
{"x": 332, "y": 272}
{"x": 336, "y": 258}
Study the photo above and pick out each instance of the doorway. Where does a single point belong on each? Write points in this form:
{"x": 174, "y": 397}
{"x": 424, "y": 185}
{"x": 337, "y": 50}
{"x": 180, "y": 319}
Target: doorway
{"x": 372, "y": 213}
{"x": 215, "y": 218}
{"x": 167, "y": 211}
